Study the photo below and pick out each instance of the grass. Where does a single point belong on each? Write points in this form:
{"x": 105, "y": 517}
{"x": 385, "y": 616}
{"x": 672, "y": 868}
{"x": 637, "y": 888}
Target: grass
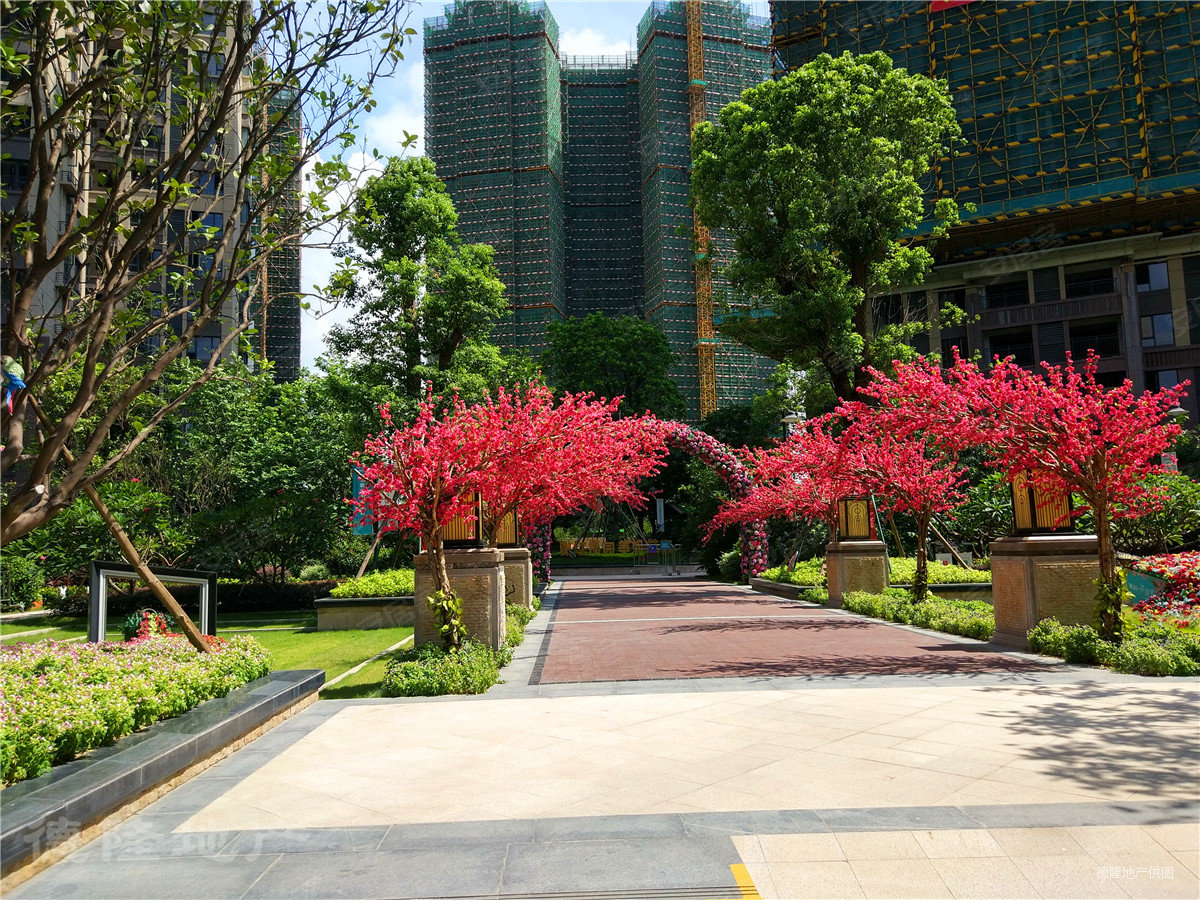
{"x": 294, "y": 647}
{"x": 333, "y": 651}
{"x": 366, "y": 682}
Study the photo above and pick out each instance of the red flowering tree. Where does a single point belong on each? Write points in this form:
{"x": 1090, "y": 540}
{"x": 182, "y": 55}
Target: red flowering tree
{"x": 419, "y": 478}
{"x": 1071, "y": 433}
{"x": 907, "y": 473}
{"x": 547, "y": 457}
{"x": 802, "y": 477}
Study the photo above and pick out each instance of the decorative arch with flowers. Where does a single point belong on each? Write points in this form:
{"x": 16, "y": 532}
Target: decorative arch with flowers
{"x": 722, "y": 460}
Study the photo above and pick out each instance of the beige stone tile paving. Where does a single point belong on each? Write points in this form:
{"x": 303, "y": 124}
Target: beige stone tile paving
{"x": 1120, "y": 861}
{"x": 781, "y": 749}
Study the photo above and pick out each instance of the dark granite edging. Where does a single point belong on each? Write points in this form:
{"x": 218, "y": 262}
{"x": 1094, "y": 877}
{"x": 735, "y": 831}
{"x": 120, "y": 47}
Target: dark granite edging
{"x": 345, "y": 602}
{"x": 43, "y": 812}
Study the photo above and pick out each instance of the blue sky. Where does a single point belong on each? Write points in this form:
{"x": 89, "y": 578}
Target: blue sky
{"x": 585, "y": 27}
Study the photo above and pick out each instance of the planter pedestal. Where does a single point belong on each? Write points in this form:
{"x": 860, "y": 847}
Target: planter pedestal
{"x": 518, "y": 576}
{"x": 1039, "y": 576}
{"x": 855, "y": 566}
{"x": 477, "y": 576}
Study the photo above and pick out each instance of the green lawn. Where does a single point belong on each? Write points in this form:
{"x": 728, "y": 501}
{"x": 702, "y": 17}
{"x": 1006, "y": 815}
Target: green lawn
{"x": 333, "y": 651}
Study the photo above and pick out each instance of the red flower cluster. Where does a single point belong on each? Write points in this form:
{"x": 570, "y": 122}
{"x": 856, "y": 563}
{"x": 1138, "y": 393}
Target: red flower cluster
{"x": 1180, "y": 595}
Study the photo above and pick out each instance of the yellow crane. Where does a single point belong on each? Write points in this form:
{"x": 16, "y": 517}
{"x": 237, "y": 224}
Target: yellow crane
{"x": 706, "y": 339}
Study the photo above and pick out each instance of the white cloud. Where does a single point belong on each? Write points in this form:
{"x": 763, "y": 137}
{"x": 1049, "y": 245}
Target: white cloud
{"x": 317, "y": 264}
{"x": 590, "y": 42}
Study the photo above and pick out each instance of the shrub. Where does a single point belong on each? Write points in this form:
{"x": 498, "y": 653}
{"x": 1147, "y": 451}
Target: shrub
{"x": 517, "y": 617}
{"x": 1153, "y": 649}
{"x": 729, "y": 566}
{"x": 61, "y": 700}
{"x": 389, "y": 583}
{"x": 237, "y": 597}
{"x": 969, "y": 618}
{"x": 432, "y": 671}
{"x": 815, "y": 595}
{"x": 806, "y": 574}
{"x": 904, "y": 570}
{"x": 314, "y": 572}
{"x": 21, "y": 582}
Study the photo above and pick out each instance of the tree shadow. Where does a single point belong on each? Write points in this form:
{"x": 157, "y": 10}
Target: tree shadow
{"x": 1110, "y": 737}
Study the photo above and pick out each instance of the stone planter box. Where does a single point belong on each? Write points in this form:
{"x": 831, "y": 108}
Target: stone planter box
{"x": 358, "y": 613}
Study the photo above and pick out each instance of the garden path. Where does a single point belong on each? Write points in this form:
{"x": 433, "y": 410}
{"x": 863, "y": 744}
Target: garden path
{"x": 625, "y": 630}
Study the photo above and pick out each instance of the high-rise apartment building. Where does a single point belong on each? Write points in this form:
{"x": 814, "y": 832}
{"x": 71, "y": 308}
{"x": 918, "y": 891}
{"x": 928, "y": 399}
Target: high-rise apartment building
{"x": 576, "y": 169}
{"x": 1081, "y": 152}
{"x": 86, "y": 179}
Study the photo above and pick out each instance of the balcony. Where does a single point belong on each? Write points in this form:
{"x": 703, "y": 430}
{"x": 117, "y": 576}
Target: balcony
{"x": 1076, "y": 308}
{"x": 1105, "y": 345}
{"x": 1172, "y": 358}
{"x": 1092, "y": 287}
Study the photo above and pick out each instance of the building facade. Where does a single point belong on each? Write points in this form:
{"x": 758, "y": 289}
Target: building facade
{"x": 1081, "y": 153}
{"x": 576, "y": 169}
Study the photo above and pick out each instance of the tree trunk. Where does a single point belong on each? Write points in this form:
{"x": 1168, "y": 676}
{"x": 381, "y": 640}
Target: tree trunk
{"x": 1109, "y": 606}
{"x": 198, "y": 640}
{"x": 921, "y": 577}
{"x": 367, "y": 559}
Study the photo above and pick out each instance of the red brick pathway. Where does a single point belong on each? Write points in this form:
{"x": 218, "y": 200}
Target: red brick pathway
{"x": 633, "y": 630}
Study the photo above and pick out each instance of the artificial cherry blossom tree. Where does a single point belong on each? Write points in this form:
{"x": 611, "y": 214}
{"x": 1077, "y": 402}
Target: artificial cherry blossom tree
{"x": 419, "y": 478}
{"x": 907, "y": 473}
{"x": 548, "y": 457}
{"x": 1071, "y": 433}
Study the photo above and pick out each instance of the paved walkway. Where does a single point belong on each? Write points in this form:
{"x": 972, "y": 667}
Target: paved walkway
{"x": 1006, "y": 782}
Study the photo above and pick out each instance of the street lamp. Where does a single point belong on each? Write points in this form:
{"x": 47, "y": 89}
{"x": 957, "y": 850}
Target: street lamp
{"x": 790, "y": 421}
{"x": 1036, "y": 510}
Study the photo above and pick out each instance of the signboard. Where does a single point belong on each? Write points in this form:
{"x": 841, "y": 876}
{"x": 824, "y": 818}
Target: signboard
{"x": 661, "y": 508}
{"x": 359, "y": 523}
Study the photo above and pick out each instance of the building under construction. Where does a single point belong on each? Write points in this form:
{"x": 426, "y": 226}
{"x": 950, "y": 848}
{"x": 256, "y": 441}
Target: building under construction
{"x": 576, "y": 170}
{"x": 1081, "y": 152}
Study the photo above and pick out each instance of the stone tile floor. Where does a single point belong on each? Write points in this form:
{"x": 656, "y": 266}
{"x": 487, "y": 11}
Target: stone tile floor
{"x": 1015, "y": 780}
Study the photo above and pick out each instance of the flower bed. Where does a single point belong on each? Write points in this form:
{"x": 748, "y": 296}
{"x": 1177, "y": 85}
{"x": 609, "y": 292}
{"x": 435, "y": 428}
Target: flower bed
{"x": 59, "y": 700}
{"x": 1179, "y": 598}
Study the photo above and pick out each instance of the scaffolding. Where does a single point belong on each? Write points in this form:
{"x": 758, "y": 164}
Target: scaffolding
{"x": 603, "y": 196}
{"x": 493, "y": 118}
{"x": 682, "y": 267}
{"x": 576, "y": 170}
{"x": 1064, "y": 106}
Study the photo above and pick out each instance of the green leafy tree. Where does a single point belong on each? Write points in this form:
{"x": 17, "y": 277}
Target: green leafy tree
{"x": 610, "y": 357}
{"x": 818, "y": 178}
{"x": 419, "y": 295}
{"x": 259, "y": 470}
{"x": 162, "y": 115}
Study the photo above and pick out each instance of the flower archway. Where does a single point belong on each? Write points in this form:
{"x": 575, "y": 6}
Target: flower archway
{"x": 722, "y": 460}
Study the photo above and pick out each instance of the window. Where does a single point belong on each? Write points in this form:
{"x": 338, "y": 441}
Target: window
{"x": 1162, "y": 379}
{"x": 207, "y": 183}
{"x": 1151, "y": 277}
{"x": 203, "y": 348}
{"x": 1158, "y": 331}
{"x": 13, "y": 175}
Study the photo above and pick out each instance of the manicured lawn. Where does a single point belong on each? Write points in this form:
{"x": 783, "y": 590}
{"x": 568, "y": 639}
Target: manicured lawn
{"x": 333, "y": 651}
{"x": 366, "y": 682}
{"x": 61, "y": 629}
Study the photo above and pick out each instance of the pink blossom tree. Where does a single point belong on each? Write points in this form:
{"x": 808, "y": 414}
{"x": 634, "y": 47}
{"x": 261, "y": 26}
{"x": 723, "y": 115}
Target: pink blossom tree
{"x": 1071, "y": 433}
